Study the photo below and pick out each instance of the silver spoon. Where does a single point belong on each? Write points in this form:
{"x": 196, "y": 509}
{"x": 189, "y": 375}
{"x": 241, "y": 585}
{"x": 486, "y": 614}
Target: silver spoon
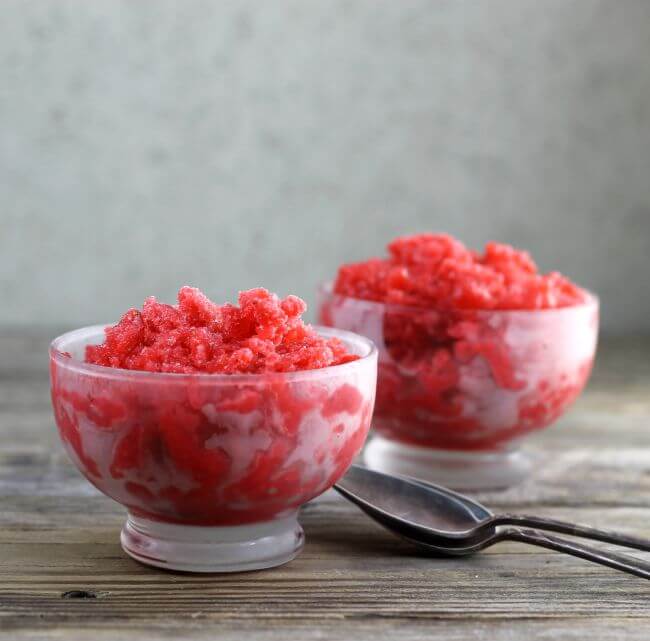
{"x": 440, "y": 520}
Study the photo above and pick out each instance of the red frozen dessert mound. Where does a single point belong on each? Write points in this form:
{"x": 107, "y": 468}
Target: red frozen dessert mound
{"x": 474, "y": 349}
{"x": 263, "y": 334}
{"x": 209, "y": 449}
{"x": 438, "y": 271}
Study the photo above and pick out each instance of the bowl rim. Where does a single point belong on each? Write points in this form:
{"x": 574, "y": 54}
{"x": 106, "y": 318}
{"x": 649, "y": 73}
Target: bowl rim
{"x": 57, "y": 348}
{"x": 326, "y": 288}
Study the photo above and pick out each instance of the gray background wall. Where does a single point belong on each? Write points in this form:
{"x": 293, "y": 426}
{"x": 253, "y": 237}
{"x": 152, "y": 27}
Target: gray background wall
{"x": 144, "y": 145}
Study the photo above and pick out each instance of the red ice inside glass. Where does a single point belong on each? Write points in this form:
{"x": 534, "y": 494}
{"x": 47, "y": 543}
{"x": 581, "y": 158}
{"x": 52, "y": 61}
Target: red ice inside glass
{"x": 474, "y": 350}
{"x": 279, "y": 427}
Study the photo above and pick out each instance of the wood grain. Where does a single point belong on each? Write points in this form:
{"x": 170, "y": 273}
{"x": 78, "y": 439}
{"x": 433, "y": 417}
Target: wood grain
{"x": 64, "y": 576}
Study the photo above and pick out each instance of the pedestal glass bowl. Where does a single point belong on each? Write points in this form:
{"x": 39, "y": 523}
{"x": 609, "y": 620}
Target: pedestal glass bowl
{"x": 457, "y": 390}
{"x": 212, "y": 468}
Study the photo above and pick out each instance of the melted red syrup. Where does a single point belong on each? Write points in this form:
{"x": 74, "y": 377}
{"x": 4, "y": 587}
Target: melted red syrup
{"x": 474, "y": 349}
{"x": 185, "y": 449}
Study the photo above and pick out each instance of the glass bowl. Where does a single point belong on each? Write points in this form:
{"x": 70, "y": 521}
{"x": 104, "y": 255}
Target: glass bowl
{"x": 212, "y": 468}
{"x": 458, "y": 390}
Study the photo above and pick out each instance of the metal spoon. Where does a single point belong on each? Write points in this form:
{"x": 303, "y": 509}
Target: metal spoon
{"x": 442, "y": 521}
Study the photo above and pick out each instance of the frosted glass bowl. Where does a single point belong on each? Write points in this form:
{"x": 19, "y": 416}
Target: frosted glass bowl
{"x": 212, "y": 468}
{"x": 458, "y": 390}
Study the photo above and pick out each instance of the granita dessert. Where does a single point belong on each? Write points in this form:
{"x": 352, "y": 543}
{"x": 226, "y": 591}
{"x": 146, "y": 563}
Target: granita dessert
{"x": 264, "y": 334}
{"x": 213, "y": 423}
{"x": 476, "y": 349}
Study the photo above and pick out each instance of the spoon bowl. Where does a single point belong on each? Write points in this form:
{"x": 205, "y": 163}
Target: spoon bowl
{"x": 414, "y": 509}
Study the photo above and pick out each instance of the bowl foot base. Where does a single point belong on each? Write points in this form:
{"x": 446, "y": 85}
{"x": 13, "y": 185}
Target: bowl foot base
{"x": 450, "y": 468}
{"x": 194, "y": 548}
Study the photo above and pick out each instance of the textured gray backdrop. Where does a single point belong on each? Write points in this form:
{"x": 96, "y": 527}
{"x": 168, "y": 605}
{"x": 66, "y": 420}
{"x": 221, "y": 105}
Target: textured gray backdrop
{"x": 148, "y": 144}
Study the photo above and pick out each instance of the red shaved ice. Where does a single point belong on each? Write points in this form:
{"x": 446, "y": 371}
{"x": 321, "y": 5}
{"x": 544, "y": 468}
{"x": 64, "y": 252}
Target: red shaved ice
{"x": 235, "y": 414}
{"x": 475, "y": 349}
{"x": 438, "y": 271}
{"x": 263, "y": 334}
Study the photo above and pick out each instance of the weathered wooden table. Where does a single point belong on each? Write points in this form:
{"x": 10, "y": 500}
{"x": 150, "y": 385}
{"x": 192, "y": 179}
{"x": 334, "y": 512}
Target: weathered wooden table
{"x": 64, "y": 576}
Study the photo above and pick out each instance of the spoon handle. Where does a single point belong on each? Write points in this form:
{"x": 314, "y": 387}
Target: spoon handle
{"x": 573, "y": 529}
{"x": 620, "y": 562}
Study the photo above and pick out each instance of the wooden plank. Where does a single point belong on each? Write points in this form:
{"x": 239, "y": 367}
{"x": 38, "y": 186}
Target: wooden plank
{"x": 360, "y": 629}
{"x": 350, "y": 569}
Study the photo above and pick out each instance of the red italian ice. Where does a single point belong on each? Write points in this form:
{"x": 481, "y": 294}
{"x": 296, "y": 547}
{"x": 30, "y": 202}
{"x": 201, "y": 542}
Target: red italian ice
{"x": 475, "y": 349}
{"x": 212, "y": 415}
{"x": 262, "y": 334}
